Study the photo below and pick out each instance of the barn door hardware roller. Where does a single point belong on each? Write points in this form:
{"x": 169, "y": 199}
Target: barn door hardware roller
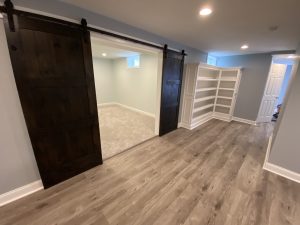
{"x": 85, "y": 30}
{"x": 9, "y": 8}
{"x": 165, "y": 50}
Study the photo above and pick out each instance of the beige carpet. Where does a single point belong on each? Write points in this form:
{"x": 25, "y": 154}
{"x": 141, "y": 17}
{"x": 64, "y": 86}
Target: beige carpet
{"x": 122, "y": 128}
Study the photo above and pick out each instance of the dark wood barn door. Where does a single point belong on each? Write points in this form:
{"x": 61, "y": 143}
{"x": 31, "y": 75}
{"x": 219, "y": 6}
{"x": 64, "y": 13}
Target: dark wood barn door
{"x": 171, "y": 89}
{"x": 52, "y": 64}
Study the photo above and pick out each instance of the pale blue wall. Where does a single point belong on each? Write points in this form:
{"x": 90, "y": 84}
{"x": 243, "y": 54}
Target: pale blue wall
{"x": 254, "y": 77}
{"x": 17, "y": 163}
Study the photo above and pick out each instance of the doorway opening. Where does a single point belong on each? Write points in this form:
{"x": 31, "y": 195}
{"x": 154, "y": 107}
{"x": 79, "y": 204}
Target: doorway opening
{"x": 128, "y": 89}
{"x": 280, "y": 75}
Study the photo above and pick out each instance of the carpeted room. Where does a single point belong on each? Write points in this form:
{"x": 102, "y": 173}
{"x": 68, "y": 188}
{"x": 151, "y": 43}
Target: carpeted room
{"x": 126, "y": 81}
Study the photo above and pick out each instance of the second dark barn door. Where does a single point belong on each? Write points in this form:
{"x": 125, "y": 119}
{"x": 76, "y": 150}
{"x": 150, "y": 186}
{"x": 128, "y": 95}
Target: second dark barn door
{"x": 53, "y": 69}
{"x": 171, "y": 88}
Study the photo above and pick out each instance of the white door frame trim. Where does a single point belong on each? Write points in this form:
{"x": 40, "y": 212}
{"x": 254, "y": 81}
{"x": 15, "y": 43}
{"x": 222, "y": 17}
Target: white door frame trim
{"x": 266, "y": 85}
{"x": 158, "y": 92}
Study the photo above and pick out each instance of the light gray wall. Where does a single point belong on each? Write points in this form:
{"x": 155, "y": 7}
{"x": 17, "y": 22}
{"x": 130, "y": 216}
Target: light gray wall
{"x": 137, "y": 87}
{"x": 104, "y": 80}
{"x": 254, "y": 77}
{"x": 133, "y": 87}
{"x": 285, "y": 150}
{"x": 17, "y": 162}
{"x": 61, "y": 8}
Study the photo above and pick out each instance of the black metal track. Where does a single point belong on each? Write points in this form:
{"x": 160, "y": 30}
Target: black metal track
{"x": 67, "y": 23}
{"x": 124, "y": 38}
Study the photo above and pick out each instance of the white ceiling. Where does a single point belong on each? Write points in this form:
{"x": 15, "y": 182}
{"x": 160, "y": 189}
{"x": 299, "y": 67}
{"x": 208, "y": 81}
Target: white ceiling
{"x": 116, "y": 48}
{"x": 111, "y": 52}
{"x": 233, "y": 22}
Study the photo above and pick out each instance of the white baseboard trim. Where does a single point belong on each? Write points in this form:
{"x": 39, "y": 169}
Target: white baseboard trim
{"x": 278, "y": 169}
{"x": 184, "y": 125}
{"x": 282, "y": 172}
{"x": 218, "y": 116}
{"x": 222, "y": 116}
{"x": 20, "y": 192}
{"x": 106, "y": 104}
{"x": 194, "y": 125}
{"x": 127, "y": 107}
{"x": 199, "y": 123}
{"x": 251, "y": 122}
{"x": 205, "y": 118}
{"x": 136, "y": 110}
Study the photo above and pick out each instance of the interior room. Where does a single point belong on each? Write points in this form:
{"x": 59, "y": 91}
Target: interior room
{"x": 126, "y": 81}
{"x": 149, "y": 112}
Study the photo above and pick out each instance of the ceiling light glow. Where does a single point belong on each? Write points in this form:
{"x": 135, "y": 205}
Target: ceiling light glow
{"x": 205, "y": 12}
{"x": 244, "y": 47}
{"x": 104, "y": 54}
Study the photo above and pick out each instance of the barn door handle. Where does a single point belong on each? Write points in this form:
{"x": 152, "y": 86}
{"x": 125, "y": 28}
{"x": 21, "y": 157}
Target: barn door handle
{"x": 13, "y": 48}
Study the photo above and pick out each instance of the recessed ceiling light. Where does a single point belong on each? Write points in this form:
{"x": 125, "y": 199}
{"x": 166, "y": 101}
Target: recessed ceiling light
{"x": 244, "y": 47}
{"x": 104, "y": 54}
{"x": 205, "y": 12}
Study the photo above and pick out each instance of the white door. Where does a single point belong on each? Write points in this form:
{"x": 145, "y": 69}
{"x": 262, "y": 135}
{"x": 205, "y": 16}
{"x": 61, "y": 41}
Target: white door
{"x": 272, "y": 91}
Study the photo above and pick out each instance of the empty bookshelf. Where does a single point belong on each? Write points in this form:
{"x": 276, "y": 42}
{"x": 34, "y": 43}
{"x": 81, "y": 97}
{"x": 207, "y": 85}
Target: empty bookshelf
{"x": 209, "y": 92}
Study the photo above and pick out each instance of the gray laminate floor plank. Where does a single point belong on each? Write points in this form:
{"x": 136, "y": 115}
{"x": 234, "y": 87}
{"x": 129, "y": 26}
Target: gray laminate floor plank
{"x": 211, "y": 175}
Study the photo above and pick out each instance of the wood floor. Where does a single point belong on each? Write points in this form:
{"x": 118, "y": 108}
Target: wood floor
{"x": 212, "y": 175}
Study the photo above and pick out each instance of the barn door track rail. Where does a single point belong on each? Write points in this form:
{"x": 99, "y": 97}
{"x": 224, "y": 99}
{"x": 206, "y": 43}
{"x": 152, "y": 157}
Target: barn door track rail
{"x": 9, "y": 9}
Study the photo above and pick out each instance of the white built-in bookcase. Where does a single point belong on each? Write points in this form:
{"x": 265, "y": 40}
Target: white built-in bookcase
{"x": 208, "y": 92}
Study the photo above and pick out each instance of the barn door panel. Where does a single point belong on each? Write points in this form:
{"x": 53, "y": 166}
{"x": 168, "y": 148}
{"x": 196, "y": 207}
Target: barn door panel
{"x": 171, "y": 87}
{"x": 52, "y": 64}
